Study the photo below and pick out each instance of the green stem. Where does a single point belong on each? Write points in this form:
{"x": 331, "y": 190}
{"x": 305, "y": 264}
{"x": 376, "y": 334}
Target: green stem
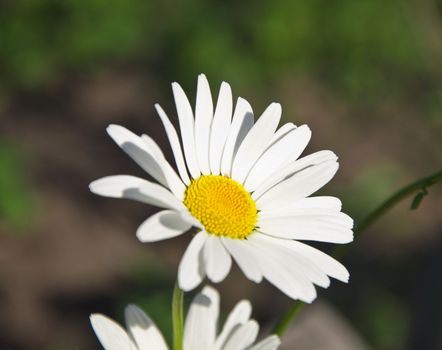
{"x": 419, "y": 185}
{"x": 288, "y": 318}
{"x": 396, "y": 198}
{"x": 177, "y": 317}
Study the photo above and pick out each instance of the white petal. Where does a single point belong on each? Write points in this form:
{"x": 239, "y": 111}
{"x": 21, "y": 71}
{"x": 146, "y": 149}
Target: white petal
{"x": 131, "y": 187}
{"x": 329, "y": 206}
{"x": 283, "y": 270}
{"x": 284, "y": 151}
{"x": 270, "y": 343}
{"x": 154, "y": 149}
{"x": 185, "y": 117}
{"x": 175, "y": 184}
{"x": 220, "y": 127}
{"x": 326, "y": 263}
{"x": 110, "y": 334}
{"x": 175, "y": 144}
{"x": 292, "y": 168}
{"x": 191, "y": 269}
{"x": 187, "y": 216}
{"x": 282, "y": 131}
{"x": 300, "y": 185}
{"x": 216, "y": 259}
{"x": 203, "y": 122}
{"x": 163, "y": 225}
{"x": 242, "y": 337}
{"x": 143, "y": 329}
{"x": 152, "y": 161}
{"x": 293, "y": 261}
{"x": 256, "y": 142}
{"x": 319, "y": 202}
{"x": 201, "y": 321}
{"x": 115, "y": 186}
{"x": 242, "y": 122}
{"x": 162, "y": 195}
{"x": 312, "y": 214}
{"x": 173, "y": 180}
{"x": 309, "y": 224}
{"x": 244, "y": 257}
{"x": 137, "y": 150}
{"x": 238, "y": 316}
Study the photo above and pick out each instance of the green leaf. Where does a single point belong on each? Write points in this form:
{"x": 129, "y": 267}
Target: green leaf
{"x": 418, "y": 199}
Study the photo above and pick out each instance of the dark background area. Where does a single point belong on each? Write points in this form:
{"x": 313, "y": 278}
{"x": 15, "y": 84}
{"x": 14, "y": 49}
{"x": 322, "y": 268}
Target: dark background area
{"x": 366, "y": 76}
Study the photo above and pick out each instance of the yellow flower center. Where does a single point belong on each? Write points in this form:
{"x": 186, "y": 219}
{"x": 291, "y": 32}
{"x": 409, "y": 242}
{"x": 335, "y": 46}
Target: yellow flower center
{"x": 222, "y": 205}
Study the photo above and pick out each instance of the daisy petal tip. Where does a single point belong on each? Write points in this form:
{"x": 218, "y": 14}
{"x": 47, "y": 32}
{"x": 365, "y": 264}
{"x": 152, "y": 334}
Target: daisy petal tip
{"x": 91, "y": 186}
{"x": 243, "y": 101}
{"x": 345, "y": 278}
{"x": 140, "y": 235}
{"x": 112, "y": 128}
{"x": 277, "y": 108}
{"x": 215, "y": 279}
{"x": 310, "y": 299}
{"x": 346, "y": 240}
{"x": 306, "y": 129}
{"x": 247, "y": 304}
{"x": 210, "y": 292}
{"x": 177, "y": 89}
{"x": 256, "y": 279}
{"x": 187, "y": 286}
{"x": 131, "y": 307}
{"x": 225, "y": 85}
{"x": 118, "y": 133}
{"x": 276, "y": 341}
{"x": 160, "y": 110}
{"x": 133, "y": 312}
{"x": 329, "y": 155}
{"x": 97, "y": 319}
{"x": 202, "y": 76}
{"x": 96, "y": 187}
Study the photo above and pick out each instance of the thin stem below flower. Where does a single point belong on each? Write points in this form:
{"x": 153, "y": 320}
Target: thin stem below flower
{"x": 177, "y": 317}
{"x": 419, "y": 186}
{"x": 288, "y": 318}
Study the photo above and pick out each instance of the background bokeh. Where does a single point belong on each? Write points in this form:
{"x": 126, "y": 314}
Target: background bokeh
{"x": 365, "y": 75}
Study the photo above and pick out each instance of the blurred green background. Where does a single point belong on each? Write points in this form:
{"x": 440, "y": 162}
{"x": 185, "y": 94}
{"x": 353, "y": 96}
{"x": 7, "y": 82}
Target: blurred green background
{"x": 365, "y": 75}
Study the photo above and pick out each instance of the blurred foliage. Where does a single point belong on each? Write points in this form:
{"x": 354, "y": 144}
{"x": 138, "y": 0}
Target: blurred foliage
{"x": 362, "y": 47}
{"x": 386, "y": 319}
{"x": 40, "y": 38}
{"x": 433, "y": 106}
{"x": 15, "y": 201}
{"x": 363, "y": 50}
{"x": 372, "y": 186}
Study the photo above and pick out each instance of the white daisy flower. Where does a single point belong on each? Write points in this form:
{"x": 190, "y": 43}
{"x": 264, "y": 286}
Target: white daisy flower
{"x": 200, "y": 328}
{"x": 243, "y": 185}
